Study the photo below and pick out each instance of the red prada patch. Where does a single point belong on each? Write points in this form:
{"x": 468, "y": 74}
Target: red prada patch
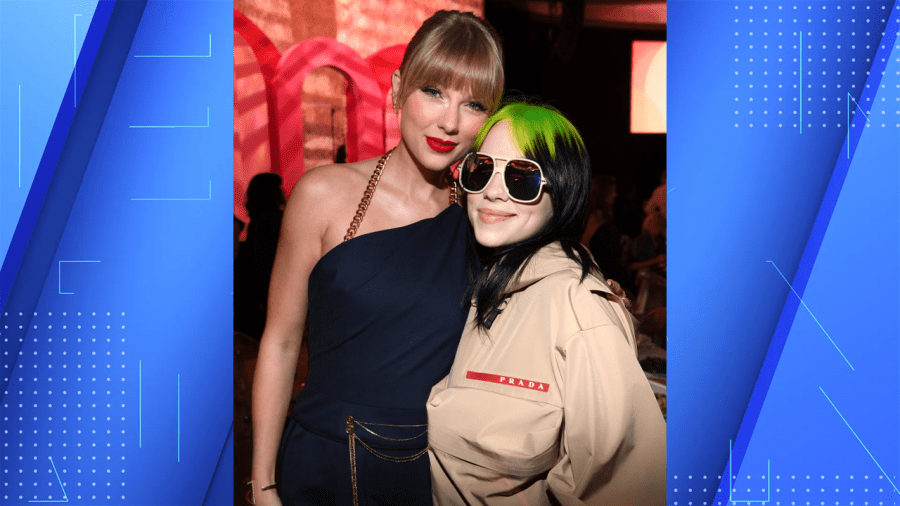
{"x": 506, "y": 380}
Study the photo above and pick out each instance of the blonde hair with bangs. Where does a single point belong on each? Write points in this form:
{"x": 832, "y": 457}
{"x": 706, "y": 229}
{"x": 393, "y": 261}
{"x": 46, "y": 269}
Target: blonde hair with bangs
{"x": 456, "y": 50}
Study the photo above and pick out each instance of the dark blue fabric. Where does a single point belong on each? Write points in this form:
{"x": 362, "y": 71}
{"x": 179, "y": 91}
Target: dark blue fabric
{"x": 385, "y": 318}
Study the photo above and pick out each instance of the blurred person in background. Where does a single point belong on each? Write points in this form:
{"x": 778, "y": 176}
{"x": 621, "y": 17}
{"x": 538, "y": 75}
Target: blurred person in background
{"x": 601, "y": 235}
{"x": 265, "y": 204}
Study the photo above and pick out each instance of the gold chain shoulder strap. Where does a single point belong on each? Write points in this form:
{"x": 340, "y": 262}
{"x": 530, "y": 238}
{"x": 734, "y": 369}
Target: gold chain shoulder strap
{"x": 367, "y": 197}
{"x": 370, "y": 190}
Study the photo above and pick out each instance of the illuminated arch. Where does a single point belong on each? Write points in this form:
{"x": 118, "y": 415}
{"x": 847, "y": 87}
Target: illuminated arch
{"x": 365, "y": 117}
{"x": 255, "y": 59}
{"x": 383, "y": 64}
{"x": 266, "y": 52}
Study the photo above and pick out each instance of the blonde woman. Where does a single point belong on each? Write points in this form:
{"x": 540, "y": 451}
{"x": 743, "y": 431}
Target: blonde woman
{"x": 380, "y": 290}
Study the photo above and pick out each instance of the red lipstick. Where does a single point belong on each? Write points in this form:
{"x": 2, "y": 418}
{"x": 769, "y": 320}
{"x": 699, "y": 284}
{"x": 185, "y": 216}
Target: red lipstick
{"x": 439, "y": 145}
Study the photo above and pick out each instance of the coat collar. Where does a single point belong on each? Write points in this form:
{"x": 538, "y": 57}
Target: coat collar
{"x": 549, "y": 260}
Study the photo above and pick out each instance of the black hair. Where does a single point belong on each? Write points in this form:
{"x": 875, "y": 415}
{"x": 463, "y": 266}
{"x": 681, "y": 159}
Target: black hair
{"x": 544, "y": 135}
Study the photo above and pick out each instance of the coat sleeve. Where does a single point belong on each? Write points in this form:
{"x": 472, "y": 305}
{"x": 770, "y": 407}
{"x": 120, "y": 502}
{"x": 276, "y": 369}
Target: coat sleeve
{"x": 614, "y": 436}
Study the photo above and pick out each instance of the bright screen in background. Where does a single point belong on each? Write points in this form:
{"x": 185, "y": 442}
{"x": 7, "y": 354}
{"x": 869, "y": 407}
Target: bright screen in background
{"x": 648, "y": 87}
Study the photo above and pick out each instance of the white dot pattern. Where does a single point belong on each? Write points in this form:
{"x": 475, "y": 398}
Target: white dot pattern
{"x": 781, "y": 82}
{"x": 782, "y": 489}
{"x": 65, "y": 397}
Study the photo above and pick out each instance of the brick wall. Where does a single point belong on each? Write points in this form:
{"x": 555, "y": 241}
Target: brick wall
{"x": 324, "y": 116}
{"x": 369, "y": 25}
{"x": 273, "y": 17}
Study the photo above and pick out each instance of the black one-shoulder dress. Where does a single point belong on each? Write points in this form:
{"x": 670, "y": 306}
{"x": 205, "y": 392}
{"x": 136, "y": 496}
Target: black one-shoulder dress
{"x": 385, "y": 317}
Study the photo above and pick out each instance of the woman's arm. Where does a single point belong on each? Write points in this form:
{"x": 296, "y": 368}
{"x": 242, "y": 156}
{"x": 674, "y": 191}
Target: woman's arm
{"x": 614, "y": 435}
{"x": 299, "y": 248}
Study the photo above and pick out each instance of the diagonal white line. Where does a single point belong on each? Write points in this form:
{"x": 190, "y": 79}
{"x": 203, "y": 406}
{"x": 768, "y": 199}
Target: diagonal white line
{"x": 811, "y": 314}
{"x": 860, "y": 440}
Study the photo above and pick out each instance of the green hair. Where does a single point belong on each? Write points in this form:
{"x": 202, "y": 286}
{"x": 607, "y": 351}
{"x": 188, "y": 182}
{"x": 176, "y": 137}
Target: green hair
{"x": 534, "y": 128}
{"x": 544, "y": 135}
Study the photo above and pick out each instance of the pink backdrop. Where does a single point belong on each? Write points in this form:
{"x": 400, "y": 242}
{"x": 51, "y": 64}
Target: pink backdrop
{"x": 268, "y": 121}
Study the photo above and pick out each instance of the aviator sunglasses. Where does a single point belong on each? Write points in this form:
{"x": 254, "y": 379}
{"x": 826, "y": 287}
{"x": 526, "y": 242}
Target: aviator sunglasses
{"x": 523, "y": 179}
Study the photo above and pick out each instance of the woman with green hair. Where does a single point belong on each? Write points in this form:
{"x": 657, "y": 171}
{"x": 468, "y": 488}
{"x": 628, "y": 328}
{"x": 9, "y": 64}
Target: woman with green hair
{"x": 546, "y": 402}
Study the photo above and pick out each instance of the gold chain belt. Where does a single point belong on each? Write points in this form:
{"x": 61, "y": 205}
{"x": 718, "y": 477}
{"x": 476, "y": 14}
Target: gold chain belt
{"x": 352, "y": 438}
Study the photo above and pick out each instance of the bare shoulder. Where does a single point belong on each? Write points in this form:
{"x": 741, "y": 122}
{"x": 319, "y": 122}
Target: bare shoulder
{"x": 332, "y": 186}
{"x": 330, "y": 181}
{"x": 326, "y": 197}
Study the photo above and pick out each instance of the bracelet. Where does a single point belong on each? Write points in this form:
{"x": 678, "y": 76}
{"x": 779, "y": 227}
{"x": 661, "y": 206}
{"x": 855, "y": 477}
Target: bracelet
{"x": 251, "y": 498}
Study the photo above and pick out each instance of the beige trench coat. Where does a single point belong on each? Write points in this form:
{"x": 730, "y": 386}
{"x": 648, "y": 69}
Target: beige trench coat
{"x": 550, "y": 406}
